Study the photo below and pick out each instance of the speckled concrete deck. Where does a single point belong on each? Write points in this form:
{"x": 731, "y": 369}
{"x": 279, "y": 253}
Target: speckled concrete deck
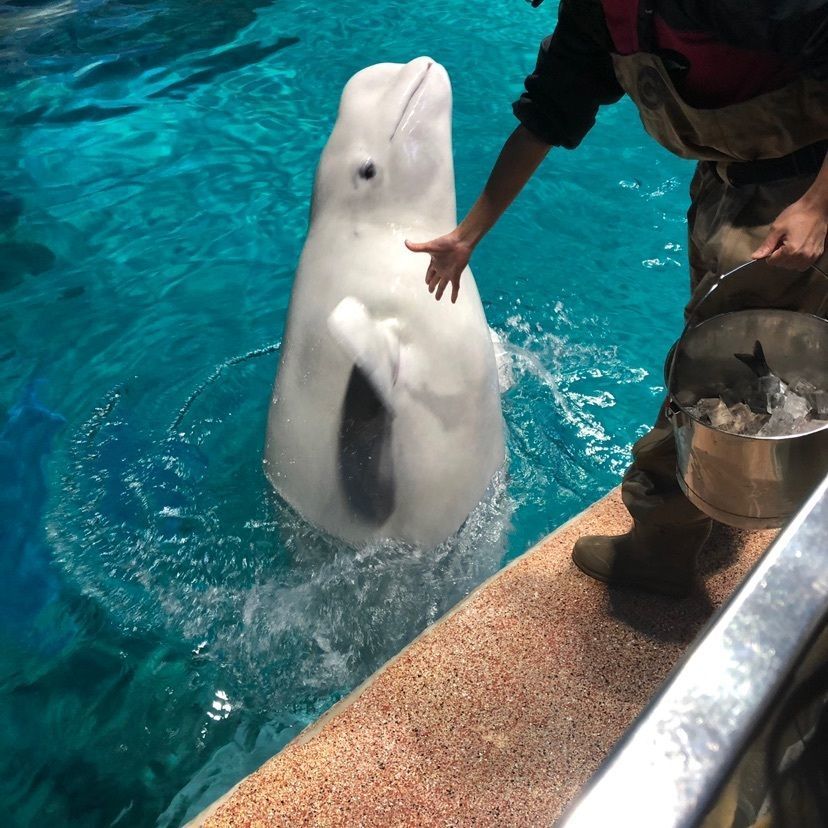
{"x": 499, "y": 713}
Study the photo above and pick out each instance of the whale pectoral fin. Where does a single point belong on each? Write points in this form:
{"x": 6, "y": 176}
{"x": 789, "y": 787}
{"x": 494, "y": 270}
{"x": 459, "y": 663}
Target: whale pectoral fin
{"x": 373, "y": 346}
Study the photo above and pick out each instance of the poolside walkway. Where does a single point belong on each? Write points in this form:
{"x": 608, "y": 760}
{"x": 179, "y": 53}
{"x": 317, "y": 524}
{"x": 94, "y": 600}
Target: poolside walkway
{"x": 500, "y": 712}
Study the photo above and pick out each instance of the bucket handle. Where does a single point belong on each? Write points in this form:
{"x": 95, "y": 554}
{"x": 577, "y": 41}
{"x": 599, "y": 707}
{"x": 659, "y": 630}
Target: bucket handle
{"x": 691, "y": 318}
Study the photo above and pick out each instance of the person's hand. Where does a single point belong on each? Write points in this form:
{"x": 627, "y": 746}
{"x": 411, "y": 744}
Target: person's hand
{"x": 797, "y": 238}
{"x": 449, "y": 258}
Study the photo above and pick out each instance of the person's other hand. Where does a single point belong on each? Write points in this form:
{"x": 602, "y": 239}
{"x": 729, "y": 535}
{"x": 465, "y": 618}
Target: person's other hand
{"x": 449, "y": 258}
{"x": 797, "y": 238}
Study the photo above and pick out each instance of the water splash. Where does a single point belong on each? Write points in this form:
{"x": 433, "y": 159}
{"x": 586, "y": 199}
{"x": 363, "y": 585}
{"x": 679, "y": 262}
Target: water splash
{"x": 219, "y": 370}
{"x": 286, "y": 618}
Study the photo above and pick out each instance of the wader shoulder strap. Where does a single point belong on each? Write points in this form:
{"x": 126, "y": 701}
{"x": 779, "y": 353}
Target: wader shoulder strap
{"x": 646, "y": 26}
{"x": 631, "y": 24}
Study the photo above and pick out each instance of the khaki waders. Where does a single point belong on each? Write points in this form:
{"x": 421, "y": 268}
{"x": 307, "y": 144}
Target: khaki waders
{"x": 726, "y": 223}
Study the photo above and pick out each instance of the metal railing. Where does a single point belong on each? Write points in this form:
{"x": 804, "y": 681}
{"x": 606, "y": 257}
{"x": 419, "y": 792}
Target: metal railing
{"x": 672, "y": 765}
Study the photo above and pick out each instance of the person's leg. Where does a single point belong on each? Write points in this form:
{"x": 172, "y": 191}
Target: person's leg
{"x": 659, "y": 553}
{"x": 725, "y": 225}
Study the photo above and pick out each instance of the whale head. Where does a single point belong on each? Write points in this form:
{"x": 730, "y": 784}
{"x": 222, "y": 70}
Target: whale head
{"x": 389, "y": 157}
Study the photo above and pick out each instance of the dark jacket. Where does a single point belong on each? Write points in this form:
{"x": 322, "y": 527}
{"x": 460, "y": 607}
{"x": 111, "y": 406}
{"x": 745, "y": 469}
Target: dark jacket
{"x": 574, "y": 75}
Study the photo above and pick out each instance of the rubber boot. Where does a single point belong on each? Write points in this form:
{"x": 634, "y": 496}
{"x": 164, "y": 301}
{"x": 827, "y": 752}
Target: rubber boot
{"x": 658, "y": 559}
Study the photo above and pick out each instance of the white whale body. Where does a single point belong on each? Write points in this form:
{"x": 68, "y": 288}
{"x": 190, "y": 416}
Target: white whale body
{"x": 385, "y": 420}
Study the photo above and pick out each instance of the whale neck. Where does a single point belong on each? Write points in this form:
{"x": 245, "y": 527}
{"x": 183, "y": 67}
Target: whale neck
{"x": 433, "y": 220}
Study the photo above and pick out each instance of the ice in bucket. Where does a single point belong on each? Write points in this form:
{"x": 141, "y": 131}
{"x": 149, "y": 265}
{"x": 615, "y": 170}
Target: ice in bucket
{"x": 765, "y": 406}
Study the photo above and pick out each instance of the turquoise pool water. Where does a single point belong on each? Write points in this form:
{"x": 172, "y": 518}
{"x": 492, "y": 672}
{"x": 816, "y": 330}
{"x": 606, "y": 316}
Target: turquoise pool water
{"x": 166, "y": 625}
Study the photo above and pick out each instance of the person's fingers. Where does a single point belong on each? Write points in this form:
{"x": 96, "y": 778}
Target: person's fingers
{"x": 815, "y": 256}
{"x": 430, "y": 273}
{"x": 769, "y": 245}
{"x": 442, "y": 289}
{"x": 789, "y": 259}
{"x": 792, "y": 261}
{"x": 812, "y": 253}
{"x": 418, "y": 247}
{"x": 433, "y": 281}
{"x": 455, "y": 289}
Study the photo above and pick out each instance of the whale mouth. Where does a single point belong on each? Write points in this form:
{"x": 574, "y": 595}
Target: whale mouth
{"x": 411, "y": 99}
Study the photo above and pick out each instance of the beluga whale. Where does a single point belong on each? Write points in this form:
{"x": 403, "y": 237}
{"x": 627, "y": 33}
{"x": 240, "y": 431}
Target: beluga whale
{"x": 385, "y": 420}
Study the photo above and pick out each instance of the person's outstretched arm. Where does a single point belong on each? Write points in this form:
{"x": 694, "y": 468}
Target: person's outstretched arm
{"x": 573, "y": 76}
{"x": 450, "y": 254}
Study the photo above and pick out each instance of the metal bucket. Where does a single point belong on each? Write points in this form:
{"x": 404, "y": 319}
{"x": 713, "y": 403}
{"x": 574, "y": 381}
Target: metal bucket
{"x": 750, "y": 482}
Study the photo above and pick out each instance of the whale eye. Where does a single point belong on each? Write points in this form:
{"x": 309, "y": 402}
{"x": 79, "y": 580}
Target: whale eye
{"x": 367, "y": 170}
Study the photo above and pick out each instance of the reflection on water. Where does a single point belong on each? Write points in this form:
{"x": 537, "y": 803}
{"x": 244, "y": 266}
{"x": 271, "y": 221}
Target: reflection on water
{"x": 120, "y": 39}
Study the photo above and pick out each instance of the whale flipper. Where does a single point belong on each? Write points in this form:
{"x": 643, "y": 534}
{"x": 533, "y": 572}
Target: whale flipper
{"x": 373, "y": 346}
